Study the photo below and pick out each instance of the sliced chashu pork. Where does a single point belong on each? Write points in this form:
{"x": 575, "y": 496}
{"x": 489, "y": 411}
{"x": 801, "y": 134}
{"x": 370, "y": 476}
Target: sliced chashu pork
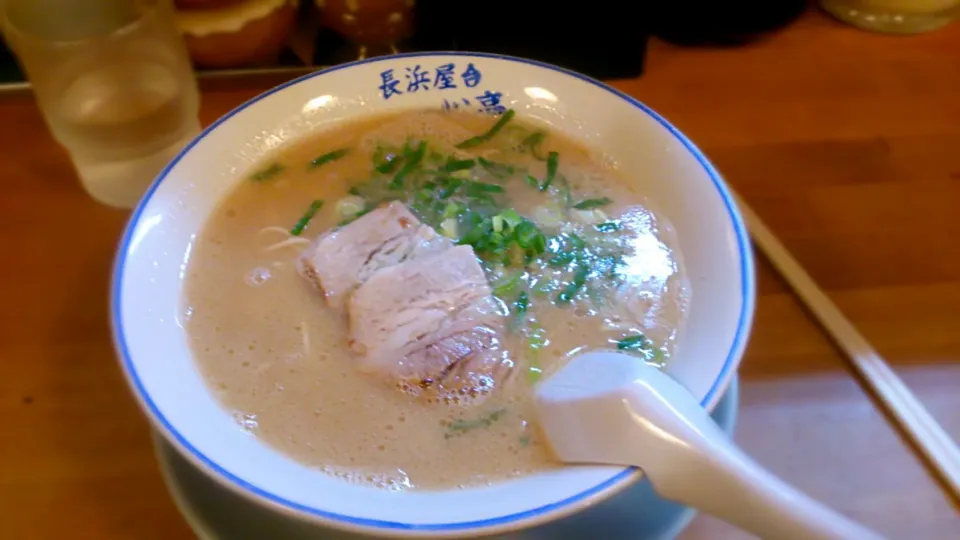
{"x": 421, "y": 312}
{"x": 430, "y": 321}
{"x": 340, "y": 260}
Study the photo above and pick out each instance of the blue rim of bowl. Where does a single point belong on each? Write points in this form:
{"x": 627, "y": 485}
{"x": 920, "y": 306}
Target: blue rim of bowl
{"x": 736, "y": 348}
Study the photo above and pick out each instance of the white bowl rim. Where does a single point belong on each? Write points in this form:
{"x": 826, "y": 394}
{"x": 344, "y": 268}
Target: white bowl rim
{"x": 608, "y": 487}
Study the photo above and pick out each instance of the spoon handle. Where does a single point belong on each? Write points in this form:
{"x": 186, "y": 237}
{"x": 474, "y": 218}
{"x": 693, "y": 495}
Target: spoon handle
{"x": 715, "y": 476}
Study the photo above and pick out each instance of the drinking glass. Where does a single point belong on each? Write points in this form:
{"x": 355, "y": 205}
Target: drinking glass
{"x": 114, "y": 83}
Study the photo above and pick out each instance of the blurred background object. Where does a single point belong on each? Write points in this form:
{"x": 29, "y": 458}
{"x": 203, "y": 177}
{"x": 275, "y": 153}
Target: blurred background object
{"x": 114, "y": 84}
{"x": 894, "y": 16}
{"x": 594, "y": 39}
{"x": 281, "y": 39}
{"x": 236, "y": 33}
{"x": 727, "y": 22}
{"x": 375, "y": 27}
{"x": 205, "y": 4}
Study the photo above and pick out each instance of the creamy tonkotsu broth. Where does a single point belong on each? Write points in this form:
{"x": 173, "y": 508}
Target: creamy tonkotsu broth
{"x": 574, "y": 259}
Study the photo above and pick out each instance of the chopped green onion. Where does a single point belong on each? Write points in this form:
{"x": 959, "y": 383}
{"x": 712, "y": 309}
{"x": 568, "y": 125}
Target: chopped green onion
{"x": 496, "y": 235}
{"x": 461, "y": 426}
{"x": 532, "y": 181}
{"x": 562, "y": 259}
{"x": 522, "y": 304}
{"x": 575, "y": 241}
{"x": 479, "y": 228}
{"x": 480, "y": 139}
{"x": 608, "y": 226}
{"x": 413, "y": 159}
{"x": 424, "y": 195}
{"x": 327, "y": 158}
{"x": 390, "y": 164}
{"x": 385, "y": 162}
{"x": 590, "y": 204}
{"x": 498, "y": 170}
{"x": 571, "y": 290}
{"x": 453, "y": 165}
{"x": 507, "y": 285}
{"x": 268, "y": 173}
{"x": 633, "y": 343}
{"x": 452, "y": 210}
{"x": 359, "y": 214}
{"x": 552, "y": 164}
{"x": 533, "y": 143}
{"x": 381, "y": 155}
{"x": 542, "y": 287}
{"x": 450, "y": 187}
{"x": 448, "y": 228}
{"x": 530, "y": 237}
{"x": 511, "y": 217}
{"x": 307, "y": 216}
{"x": 475, "y": 188}
{"x": 350, "y": 205}
{"x": 608, "y": 265}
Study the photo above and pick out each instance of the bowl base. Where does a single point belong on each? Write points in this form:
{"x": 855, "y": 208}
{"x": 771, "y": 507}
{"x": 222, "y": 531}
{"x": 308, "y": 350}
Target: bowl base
{"x": 215, "y": 513}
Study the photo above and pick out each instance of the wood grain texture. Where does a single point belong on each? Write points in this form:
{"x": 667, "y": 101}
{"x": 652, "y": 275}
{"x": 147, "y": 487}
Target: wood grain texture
{"x": 845, "y": 143}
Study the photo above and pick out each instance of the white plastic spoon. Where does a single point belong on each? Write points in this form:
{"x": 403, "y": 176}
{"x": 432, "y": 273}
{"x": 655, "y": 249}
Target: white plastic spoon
{"x": 611, "y": 408}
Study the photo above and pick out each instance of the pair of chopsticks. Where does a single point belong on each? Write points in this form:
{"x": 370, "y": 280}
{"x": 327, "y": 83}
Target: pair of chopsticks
{"x": 939, "y": 449}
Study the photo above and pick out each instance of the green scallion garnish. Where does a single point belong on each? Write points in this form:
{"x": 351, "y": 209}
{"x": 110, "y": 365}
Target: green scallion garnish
{"x": 533, "y": 142}
{"x": 571, "y": 290}
{"x": 608, "y": 226}
{"x": 473, "y": 189}
{"x": 497, "y": 170}
{"x": 633, "y": 343}
{"x": 327, "y": 158}
{"x": 305, "y": 219}
{"x": 562, "y": 259}
{"x": 507, "y": 285}
{"x": 590, "y": 204}
{"x": 510, "y": 217}
{"x": 480, "y": 139}
{"x": 461, "y": 426}
{"x": 268, "y": 173}
{"x": 389, "y": 164}
{"x": 530, "y": 237}
{"x": 552, "y": 164}
{"x": 412, "y": 159}
{"x": 522, "y": 303}
{"x": 575, "y": 241}
{"x": 453, "y": 165}
{"x": 449, "y": 186}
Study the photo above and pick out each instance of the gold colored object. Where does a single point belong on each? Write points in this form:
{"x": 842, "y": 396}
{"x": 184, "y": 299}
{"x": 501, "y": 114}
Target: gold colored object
{"x": 894, "y": 16}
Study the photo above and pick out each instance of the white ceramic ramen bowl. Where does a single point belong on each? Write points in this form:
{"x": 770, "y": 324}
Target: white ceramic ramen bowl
{"x": 148, "y": 278}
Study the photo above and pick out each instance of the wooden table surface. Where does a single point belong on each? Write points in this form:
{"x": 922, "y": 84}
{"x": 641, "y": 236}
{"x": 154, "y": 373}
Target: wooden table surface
{"x": 846, "y": 143}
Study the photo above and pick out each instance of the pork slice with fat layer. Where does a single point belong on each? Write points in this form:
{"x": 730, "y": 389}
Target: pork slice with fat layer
{"x": 340, "y": 260}
{"x": 430, "y": 320}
